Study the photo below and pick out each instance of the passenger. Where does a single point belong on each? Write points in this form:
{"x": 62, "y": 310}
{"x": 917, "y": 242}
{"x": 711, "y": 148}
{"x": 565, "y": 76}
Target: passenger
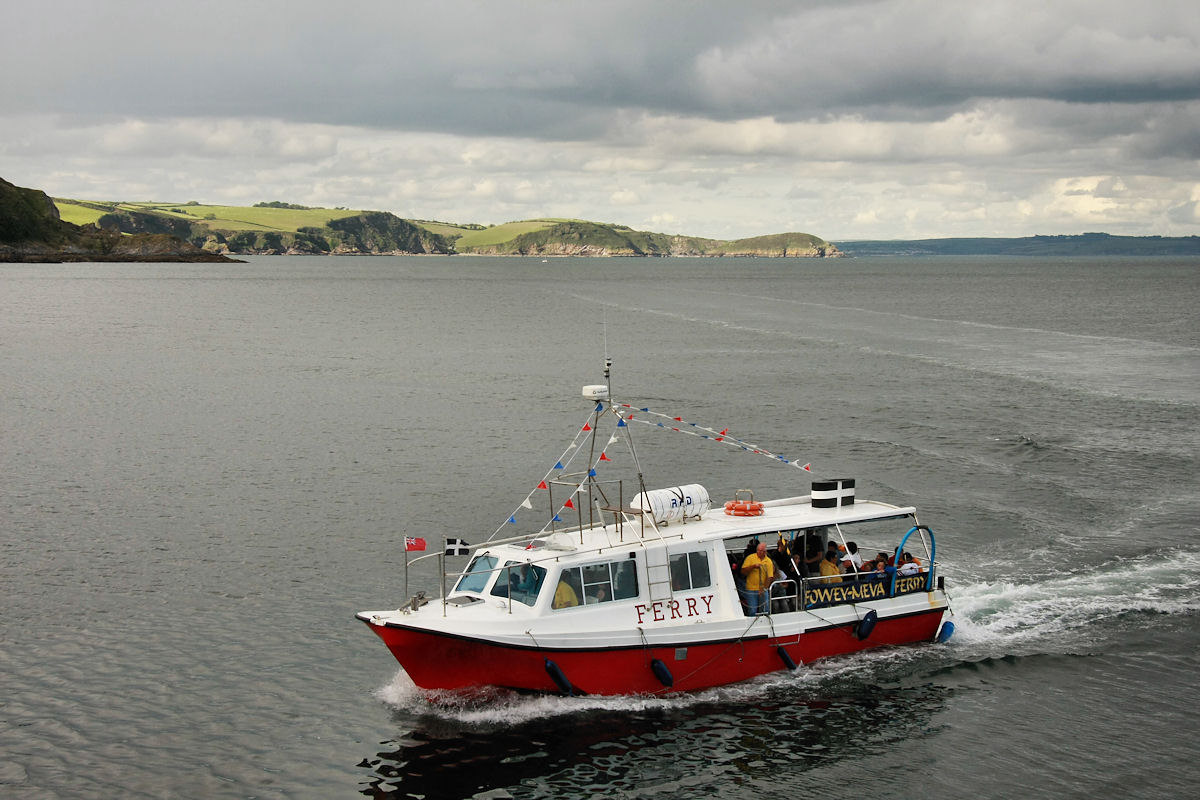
{"x": 852, "y": 562}
{"x": 751, "y": 549}
{"x": 875, "y": 570}
{"x": 783, "y": 596}
{"x": 598, "y": 595}
{"x": 798, "y": 570}
{"x": 813, "y": 556}
{"x": 829, "y": 568}
{"x": 908, "y": 565}
{"x": 783, "y": 560}
{"x": 564, "y": 595}
{"x": 527, "y": 581}
{"x": 759, "y": 570}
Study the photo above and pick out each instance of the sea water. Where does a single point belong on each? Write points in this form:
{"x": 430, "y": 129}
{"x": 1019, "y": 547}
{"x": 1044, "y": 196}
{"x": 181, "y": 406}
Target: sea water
{"x": 207, "y": 469}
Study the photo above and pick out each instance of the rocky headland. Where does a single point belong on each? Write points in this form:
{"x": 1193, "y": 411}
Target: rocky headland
{"x": 31, "y": 231}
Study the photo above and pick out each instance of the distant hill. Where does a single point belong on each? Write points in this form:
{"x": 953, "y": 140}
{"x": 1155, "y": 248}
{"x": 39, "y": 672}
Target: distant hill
{"x": 277, "y": 227}
{"x": 1086, "y": 244}
{"x": 31, "y": 230}
{"x": 573, "y": 237}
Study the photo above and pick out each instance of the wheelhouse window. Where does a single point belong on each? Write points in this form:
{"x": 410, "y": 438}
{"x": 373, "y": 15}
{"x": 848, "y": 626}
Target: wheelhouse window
{"x": 596, "y": 583}
{"x": 520, "y": 581}
{"x": 477, "y": 574}
{"x": 690, "y": 571}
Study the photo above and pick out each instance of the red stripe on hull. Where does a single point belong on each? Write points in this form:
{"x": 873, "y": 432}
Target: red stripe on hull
{"x": 436, "y": 661}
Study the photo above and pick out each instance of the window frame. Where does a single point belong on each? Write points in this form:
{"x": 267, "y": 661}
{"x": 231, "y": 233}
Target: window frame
{"x": 612, "y": 568}
{"x": 685, "y": 558}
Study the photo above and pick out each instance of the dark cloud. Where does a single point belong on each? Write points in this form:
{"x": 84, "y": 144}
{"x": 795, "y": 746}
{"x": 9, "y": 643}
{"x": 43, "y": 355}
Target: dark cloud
{"x": 555, "y": 70}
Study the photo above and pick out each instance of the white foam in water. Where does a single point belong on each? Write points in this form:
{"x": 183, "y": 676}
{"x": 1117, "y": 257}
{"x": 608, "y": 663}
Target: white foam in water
{"x": 504, "y": 707}
{"x": 500, "y": 706}
{"x": 1012, "y": 611}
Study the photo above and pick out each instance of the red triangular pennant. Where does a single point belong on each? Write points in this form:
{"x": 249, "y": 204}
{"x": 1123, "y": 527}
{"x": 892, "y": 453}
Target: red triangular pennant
{"x": 603, "y": 457}
{"x": 568, "y": 504}
{"x": 587, "y": 427}
{"x": 543, "y": 485}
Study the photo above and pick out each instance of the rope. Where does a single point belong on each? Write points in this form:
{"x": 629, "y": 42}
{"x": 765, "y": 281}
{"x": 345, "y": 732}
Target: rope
{"x": 702, "y": 432}
{"x": 832, "y": 624}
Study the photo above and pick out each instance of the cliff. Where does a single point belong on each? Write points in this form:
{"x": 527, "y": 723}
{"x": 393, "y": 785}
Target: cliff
{"x": 32, "y": 231}
{"x": 580, "y": 238}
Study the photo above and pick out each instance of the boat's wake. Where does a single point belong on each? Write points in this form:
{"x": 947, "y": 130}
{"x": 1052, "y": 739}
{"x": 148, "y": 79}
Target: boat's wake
{"x": 492, "y": 705}
{"x": 1013, "y": 612}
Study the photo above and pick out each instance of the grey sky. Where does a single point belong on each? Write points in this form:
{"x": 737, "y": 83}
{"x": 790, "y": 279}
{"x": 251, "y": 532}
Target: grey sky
{"x": 886, "y": 119}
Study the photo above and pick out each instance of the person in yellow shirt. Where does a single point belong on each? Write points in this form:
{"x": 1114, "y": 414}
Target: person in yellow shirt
{"x": 830, "y": 571}
{"x": 564, "y": 595}
{"x": 759, "y": 570}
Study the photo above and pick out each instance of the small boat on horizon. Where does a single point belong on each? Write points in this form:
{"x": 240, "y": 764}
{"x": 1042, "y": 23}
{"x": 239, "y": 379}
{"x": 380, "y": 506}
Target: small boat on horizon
{"x": 662, "y": 591}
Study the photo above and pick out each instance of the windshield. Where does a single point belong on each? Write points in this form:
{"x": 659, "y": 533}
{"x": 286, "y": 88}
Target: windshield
{"x": 477, "y": 575}
{"x": 520, "y": 581}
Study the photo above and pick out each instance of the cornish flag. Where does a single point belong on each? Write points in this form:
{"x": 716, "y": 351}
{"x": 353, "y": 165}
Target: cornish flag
{"x": 457, "y": 547}
{"x": 411, "y": 543}
{"x": 833, "y": 493}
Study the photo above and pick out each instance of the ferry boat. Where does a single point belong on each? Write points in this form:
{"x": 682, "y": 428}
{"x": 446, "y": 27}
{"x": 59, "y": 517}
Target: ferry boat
{"x": 658, "y": 592}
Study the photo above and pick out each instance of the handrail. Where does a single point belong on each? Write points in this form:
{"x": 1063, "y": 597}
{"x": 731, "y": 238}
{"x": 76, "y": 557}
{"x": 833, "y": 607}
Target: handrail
{"x": 784, "y": 596}
{"x": 932, "y": 555}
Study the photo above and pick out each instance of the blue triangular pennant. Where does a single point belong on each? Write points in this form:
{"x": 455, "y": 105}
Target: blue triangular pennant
{"x": 591, "y": 473}
{"x": 620, "y": 423}
{"x": 512, "y": 520}
{"x": 558, "y": 465}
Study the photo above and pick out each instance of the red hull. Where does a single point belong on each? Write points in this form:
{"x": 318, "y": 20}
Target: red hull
{"x": 438, "y": 661}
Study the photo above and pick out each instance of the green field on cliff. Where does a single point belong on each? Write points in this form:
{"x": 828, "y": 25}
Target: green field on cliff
{"x": 228, "y": 218}
{"x": 278, "y": 227}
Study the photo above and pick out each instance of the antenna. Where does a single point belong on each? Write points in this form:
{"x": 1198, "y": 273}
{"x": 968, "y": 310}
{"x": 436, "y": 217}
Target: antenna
{"x": 607, "y": 360}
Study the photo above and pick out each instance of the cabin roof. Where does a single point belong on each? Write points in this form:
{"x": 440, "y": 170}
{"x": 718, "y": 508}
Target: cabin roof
{"x": 714, "y": 524}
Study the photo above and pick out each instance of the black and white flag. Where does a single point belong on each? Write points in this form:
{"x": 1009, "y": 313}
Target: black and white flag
{"x": 457, "y": 547}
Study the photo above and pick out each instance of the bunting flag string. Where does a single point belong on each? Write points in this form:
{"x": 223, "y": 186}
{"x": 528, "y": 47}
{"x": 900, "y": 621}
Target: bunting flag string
{"x": 700, "y": 431}
{"x": 560, "y": 464}
{"x": 658, "y": 420}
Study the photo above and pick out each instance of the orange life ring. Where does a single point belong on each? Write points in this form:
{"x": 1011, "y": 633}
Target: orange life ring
{"x": 743, "y": 509}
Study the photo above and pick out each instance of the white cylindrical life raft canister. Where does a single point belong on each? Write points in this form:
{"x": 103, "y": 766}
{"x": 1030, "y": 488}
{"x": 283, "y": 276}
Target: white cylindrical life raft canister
{"x": 674, "y": 504}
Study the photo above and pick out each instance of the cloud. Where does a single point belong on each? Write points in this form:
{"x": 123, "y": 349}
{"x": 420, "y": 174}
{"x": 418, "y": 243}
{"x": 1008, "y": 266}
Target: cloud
{"x": 847, "y": 119}
{"x": 624, "y": 197}
{"x": 930, "y": 57}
